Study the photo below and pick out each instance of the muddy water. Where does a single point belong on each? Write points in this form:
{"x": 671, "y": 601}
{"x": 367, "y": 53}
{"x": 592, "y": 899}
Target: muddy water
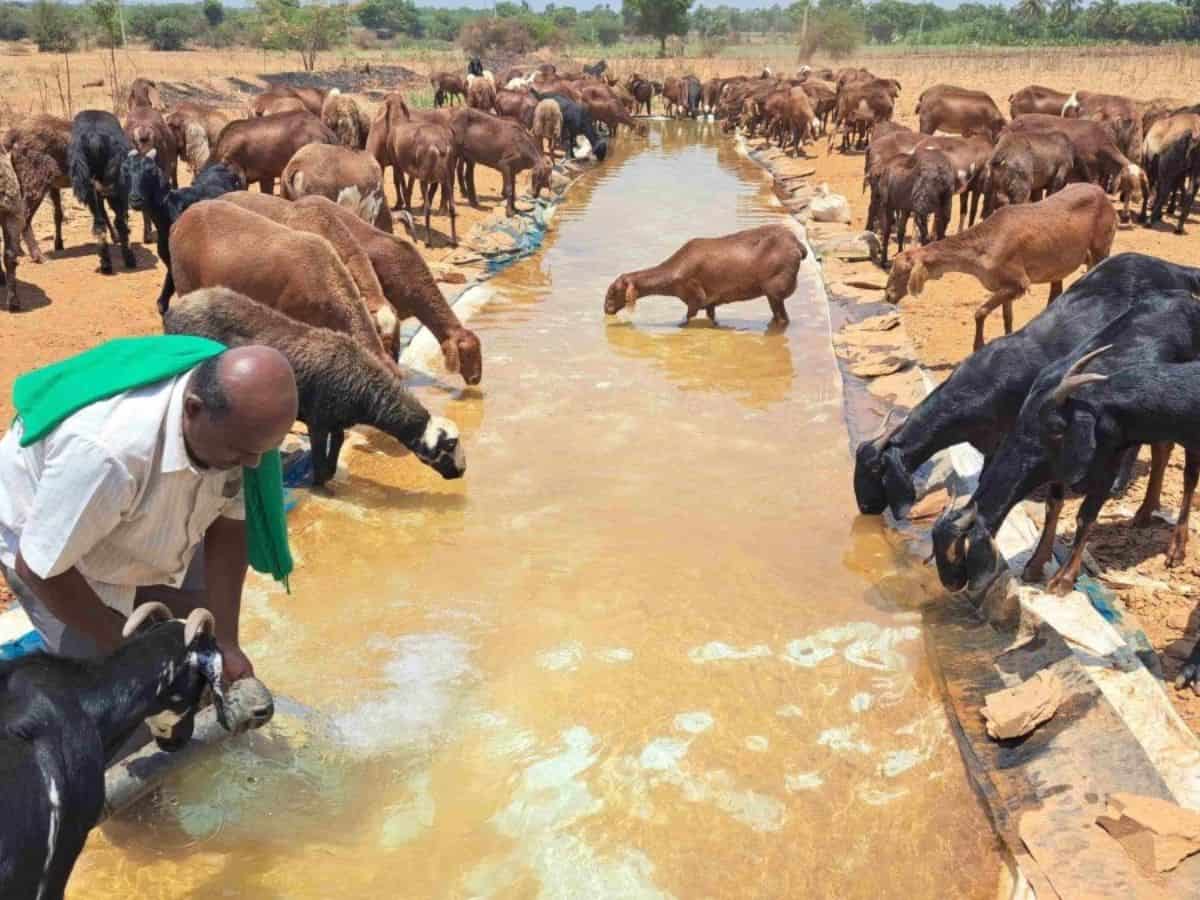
{"x": 643, "y": 649}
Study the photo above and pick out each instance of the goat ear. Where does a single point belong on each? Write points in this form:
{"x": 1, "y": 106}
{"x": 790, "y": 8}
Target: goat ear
{"x": 450, "y": 352}
{"x": 917, "y": 277}
{"x": 133, "y": 153}
{"x": 153, "y": 154}
{"x": 144, "y": 614}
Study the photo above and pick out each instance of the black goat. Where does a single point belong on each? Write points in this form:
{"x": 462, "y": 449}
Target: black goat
{"x": 981, "y": 399}
{"x": 98, "y": 146}
{"x": 691, "y": 95}
{"x": 596, "y": 69}
{"x": 1159, "y": 326}
{"x": 1146, "y": 403}
{"x": 150, "y": 191}
{"x": 62, "y": 719}
{"x": 576, "y": 121}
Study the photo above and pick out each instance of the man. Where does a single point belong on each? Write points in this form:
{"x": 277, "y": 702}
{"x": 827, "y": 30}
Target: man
{"x": 122, "y": 494}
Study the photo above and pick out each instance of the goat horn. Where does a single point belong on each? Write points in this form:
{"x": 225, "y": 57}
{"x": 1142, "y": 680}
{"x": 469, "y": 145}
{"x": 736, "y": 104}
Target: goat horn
{"x": 199, "y": 621}
{"x": 1072, "y": 381}
{"x": 885, "y": 434}
{"x": 153, "y": 610}
{"x": 967, "y": 520}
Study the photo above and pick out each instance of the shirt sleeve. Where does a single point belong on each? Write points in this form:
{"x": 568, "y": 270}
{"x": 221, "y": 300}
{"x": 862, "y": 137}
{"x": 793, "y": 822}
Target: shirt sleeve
{"x": 81, "y": 496}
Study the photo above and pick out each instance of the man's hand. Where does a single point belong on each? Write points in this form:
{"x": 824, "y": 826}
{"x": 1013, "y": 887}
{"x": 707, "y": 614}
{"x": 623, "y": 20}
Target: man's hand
{"x": 235, "y": 664}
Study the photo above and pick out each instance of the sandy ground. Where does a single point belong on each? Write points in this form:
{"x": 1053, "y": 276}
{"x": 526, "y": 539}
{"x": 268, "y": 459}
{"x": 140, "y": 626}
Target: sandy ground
{"x": 941, "y": 325}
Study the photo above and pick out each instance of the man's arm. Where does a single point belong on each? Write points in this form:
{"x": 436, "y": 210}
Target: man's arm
{"x": 71, "y": 600}
{"x": 224, "y": 575}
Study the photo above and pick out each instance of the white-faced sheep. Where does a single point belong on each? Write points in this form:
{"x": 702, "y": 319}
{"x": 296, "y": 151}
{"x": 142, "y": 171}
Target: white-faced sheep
{"x": 340, "y": 384}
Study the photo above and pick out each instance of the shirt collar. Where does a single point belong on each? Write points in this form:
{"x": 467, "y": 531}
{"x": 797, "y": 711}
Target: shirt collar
{"x": 175, "y": 456}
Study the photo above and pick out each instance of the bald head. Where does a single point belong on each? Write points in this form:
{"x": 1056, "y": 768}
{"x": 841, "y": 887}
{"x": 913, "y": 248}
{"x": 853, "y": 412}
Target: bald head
{"x": 239, "y": 405}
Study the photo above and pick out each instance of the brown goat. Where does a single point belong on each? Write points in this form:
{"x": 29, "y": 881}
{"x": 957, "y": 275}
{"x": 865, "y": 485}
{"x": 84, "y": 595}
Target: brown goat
{"x": 259, "y": 149}
{"x": 1018, "y": 246}
{"x": 196, "y": 127}
{"x": 447, "y": 86}
{"x": 1122, "y": 114}
{"x": 613, "y": 114}
{"x": 407, "y": 283}
{"x": 968, "y": 158}
{"x": 499, "y": 144}
{"x": 1036, "y": 99}
{"x": 144, "y": 92}
{"x": 350, "y": 178}
{"x": 481, "y": 94}
{"x": 547, "y": 125}
{"x": 346, "y": 119}
{"x": 707, "y": 272}
{"x": 306, "y": 279}
{"x": 323, "y": 219}
{"x": 39, "y": 157}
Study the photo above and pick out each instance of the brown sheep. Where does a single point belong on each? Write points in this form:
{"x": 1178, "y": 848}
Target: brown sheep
{"x": 346, "y": 119}
{"x": 280, "y": 98}
{"x": 144, "y": 92}
{"x": 350, "y": 178}
{"x": 919, "y": 184}
{"x": 306, "y": 279}
{"x": 323, "y": 220}
{"x": 12, "y": 221}
{"x": 407, "y": 283}
{"x": 147, "y": 131}
{"x": 1036, "y": 99}
{"x": 481, "y": 94}
{"x": 1098, "y": 159}
{"x": 499, "y": 144}
{"x": 196, "y": 127}
{"x": 516, "y": 105}
{"x": 428, "y": 156}
{"x": 259, "y": 149}
{"x": 1018, "y": 246}
{"x": 547, "y": 125}
{"x": 447, "y": 86}
{"x": 1122, "y": 114}
{"x": 613, "y": 114}
{"x": 707, "y": 272}
{"x": 1027, "y": 167}
{"x": 966, "y": 113}
{"x": 39, "y": 156}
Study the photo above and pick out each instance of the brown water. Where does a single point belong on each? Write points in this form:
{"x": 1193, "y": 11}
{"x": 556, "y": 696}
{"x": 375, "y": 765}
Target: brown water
{"x": 644, "y": 648}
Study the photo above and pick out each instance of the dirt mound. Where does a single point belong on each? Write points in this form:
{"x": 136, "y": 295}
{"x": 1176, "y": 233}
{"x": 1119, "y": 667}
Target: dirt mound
{"x": 363, "y": 79}
{"x": 173, "y": 92}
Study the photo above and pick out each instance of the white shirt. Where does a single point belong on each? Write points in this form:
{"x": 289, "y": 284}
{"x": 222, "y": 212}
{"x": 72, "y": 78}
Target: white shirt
{"x": 112, "y": 492}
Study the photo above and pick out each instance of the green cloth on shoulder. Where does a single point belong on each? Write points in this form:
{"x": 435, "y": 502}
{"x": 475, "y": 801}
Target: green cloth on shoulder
{"x": 45, "y": 397}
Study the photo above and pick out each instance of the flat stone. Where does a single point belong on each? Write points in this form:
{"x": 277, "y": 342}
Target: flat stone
{"x": 451, "y": 277}
{"x": 874, "y": 368}
{"x": 861, "y": 246}
{"x": 886, "y": 322}
{"x": 867, "y": 284}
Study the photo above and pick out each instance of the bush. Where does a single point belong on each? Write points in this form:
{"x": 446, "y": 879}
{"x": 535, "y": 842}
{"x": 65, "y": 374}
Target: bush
{"x": 486, "y": 34}
{"x": 214, "y": 13}
{"x": 836, "y": 31}
{"x": 170, "y": 34}
{"x": 609, "y": 32}
{"x": 52, "y": 27}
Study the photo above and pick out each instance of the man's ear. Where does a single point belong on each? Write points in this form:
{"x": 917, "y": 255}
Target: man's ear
{"x": 192, "y": 406}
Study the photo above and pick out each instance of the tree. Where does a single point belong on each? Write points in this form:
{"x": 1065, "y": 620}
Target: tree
{"x": 608, "y": 31}
{"x": 170, "y": 34}
{"x": 836, "y": 31}
{"x": 107, "y": 16}
{"x": 51, "y": 27}
{"x": 398, "y": 16}
{"x": 660, "y": 18}
{"x": 214, "y": 12}
{"x": 308, "y": 29}
{"x": 14, "y": 23}
{"x": 1030, "y": 10}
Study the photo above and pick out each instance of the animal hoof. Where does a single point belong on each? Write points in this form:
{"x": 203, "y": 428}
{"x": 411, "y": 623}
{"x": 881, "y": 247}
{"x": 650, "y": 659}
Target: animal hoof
{"x": 1187, "y": 677}
{"x": 1059, "y": 586}
{"x": 106, "y": 268}
{"x": 130, "y": 261}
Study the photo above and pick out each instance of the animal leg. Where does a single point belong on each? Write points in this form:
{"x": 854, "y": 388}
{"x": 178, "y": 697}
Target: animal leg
{"x": 1177, "y": 551}
{"x": 31, "y": 244}
{"x": 12, "y": 246}
{"x": 56, "y": 202}
{"x": 1001, "y": 297}
{"x": 427, "y": 190}
{"x": 1063, "y": 581}
{"x": 1160, "y": 455}
{"x": 147, "y": 230}
{"x": 901, "y": 228}
{"x": 120, "y": 207}
{"x": 779, "y": 314}
{"x": 266, "y": 185}
{"x": 398, "y": 183}
{"x": 1008, "y": 317}
{"x": 100, "y": 229}
{"x": 1035, "y": 568}
{"x": 711, "y": 312}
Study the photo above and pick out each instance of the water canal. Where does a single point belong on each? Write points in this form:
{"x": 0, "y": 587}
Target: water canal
{"x": 643, "y": 649}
